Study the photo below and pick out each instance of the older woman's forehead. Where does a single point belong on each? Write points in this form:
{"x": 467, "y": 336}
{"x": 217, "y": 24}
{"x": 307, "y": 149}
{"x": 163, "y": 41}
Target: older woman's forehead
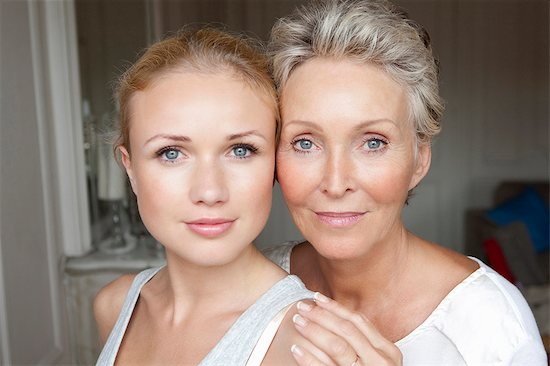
{"x": 342, "y": 88}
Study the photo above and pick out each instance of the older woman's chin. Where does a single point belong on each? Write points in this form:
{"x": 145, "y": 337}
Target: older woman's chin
{"x": 339, "y": 249}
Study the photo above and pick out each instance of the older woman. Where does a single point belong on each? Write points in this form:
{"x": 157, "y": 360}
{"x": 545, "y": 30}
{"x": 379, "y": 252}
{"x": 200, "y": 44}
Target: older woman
{"x": 360, "y": 106}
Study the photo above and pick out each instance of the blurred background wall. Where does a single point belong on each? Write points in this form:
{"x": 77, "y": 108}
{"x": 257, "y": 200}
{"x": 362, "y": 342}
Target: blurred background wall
{"x": 58, "y": 60}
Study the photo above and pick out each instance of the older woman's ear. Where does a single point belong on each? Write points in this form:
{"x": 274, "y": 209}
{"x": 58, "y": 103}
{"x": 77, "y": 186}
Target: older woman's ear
{"x": 125, "y": 158}
{"x": 423, "y": 161}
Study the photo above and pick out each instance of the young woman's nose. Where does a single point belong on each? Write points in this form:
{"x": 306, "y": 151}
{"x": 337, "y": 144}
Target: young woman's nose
{"x": 338, "y": 175}
{"x": 208, "y": 186}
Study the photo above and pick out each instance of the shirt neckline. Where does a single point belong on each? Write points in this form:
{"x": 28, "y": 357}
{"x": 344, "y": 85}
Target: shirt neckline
{"x": 442, "y": 304}
{"x": 451, "y": 295}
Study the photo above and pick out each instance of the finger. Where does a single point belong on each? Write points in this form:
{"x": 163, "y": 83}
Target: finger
{"x": 355, "y": 329}
{"x": 336, "y": 347}
{"x": 363, "y": 324}
{"x": 305, "y": 358}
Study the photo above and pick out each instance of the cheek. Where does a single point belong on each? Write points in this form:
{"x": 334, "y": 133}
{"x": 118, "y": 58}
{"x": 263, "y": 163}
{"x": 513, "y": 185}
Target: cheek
{"x": 388, "y": 182}
{"x": 254, "y": 184}
{"x": 156, "y": 194}
{"x": 296, "y": 177}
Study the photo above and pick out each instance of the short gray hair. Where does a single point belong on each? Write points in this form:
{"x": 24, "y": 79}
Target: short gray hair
{"x": 370, "y": 31}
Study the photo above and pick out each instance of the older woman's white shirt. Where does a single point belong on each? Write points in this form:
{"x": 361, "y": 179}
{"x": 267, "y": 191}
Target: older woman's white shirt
{"x": 484, "y": 320}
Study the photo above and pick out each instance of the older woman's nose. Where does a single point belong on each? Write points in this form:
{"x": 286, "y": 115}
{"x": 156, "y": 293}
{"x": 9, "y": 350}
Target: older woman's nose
{"x": 338, "y": 175}
{"x": 208, "y": 185}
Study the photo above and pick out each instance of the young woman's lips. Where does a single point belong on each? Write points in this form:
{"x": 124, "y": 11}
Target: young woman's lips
{"x": 339, "y": 219}
{"x": 210, "y": 227}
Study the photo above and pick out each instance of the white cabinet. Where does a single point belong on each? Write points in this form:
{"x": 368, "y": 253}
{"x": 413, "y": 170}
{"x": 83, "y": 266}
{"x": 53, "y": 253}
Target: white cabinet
{"x": 84, "y": 277}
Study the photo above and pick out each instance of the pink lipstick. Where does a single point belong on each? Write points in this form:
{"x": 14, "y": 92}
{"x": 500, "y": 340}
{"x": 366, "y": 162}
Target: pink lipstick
{"x": 339, "y": 219}
{"x": 210, "y": 227}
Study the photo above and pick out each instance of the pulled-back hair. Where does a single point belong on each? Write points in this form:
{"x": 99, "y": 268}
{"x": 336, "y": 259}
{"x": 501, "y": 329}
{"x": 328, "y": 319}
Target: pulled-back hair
{"x": 206, "y": 50}
{"x": 369, "y": 31}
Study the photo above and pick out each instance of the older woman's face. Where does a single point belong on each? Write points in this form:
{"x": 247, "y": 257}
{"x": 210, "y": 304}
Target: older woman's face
{"x": 346, "y": 158}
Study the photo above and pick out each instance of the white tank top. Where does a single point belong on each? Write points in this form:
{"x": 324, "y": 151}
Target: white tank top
{"x": 238, "y": 343}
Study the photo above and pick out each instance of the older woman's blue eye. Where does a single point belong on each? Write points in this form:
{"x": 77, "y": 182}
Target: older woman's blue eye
{"x": 374, "y": 144}
{"x": 305, "y": 144}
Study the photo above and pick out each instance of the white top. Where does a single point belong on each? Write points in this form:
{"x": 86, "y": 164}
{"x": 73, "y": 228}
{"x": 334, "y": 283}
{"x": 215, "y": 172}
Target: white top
{"x": 484, "y": 320}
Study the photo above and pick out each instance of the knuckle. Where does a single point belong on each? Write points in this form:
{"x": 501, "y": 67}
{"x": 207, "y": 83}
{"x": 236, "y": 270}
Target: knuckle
{"x": 397, "y": 355}
{"x": 357, "y": 318}
{"x": 317, "y": 312}
{"x": 338, "y": 347}
{"x": 392, "y": 356}
{"x": 348, "y": 328}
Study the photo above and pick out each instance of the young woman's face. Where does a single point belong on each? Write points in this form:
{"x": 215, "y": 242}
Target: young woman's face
{"x": 346, "y": 158}
{"x": 202, "y": 163}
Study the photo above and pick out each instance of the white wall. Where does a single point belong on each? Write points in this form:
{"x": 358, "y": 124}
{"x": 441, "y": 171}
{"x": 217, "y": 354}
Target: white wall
{"x": 32, "y": 207}
{"x": 494, "y": 78}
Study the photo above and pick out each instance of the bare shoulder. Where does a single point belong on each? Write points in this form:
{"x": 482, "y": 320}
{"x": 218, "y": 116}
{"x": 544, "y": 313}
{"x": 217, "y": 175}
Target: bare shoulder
{"x": 108, "y": 303}
{"x": 279, "y": 352}
{"x": 447, "y": 263}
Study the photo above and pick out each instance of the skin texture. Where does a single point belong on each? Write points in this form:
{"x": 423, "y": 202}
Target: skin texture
{"x": 340, "y": 172}
{"x": 346, "y": 161}
{"x": 202, "y": 147}
{"x": 206, "y": 179}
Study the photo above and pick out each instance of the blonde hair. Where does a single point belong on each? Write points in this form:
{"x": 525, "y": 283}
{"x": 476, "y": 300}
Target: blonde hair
{"x": 374, "y": 32}
{"x": 208, "y": 50}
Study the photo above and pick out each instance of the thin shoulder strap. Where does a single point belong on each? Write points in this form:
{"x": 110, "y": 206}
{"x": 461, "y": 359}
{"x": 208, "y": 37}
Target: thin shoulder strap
{"x": 110, "y": 349}
{"x": 265, "y": 340}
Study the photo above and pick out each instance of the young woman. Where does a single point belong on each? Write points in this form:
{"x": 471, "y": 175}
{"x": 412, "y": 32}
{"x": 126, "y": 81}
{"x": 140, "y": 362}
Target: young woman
{"x": 198, "y": 116}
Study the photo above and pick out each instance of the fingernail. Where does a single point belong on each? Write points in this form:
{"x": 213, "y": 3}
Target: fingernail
{"x": 296, "y": 350}
{"x": 299, "y": 320}
{"x": 320, "y": 297}
{"x": 303, "y": 306}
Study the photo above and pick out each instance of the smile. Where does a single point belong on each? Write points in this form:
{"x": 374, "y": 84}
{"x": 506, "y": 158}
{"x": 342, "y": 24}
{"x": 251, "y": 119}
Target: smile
{"x": 339, "y": 219}
{"x": 210, "y": 227}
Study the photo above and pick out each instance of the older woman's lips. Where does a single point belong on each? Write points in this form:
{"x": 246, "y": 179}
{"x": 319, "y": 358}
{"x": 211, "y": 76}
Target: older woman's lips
{"x": 339, "y": 219}
{"x": 210, "y": 227}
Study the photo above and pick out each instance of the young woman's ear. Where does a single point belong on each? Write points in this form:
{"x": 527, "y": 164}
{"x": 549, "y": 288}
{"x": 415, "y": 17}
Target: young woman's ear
{"x": 125, "y": 158}
{"x": 423, "y": 161}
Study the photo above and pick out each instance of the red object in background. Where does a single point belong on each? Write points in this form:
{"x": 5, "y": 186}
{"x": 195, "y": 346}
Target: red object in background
{"x": 497, "y": 260}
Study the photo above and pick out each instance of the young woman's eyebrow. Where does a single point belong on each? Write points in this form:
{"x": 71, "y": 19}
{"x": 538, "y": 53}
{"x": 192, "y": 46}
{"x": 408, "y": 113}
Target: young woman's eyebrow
{"x": 237, "y": 136}
{"x": 180, "y": 138}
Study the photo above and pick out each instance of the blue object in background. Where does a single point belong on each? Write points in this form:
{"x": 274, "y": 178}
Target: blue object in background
{"x": 529, "y": 208}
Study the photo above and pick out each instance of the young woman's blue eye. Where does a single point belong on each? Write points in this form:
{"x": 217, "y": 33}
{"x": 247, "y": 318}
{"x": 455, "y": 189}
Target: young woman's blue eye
{"x": 243, "y": 151}
{"x": 169, "y": 154}
{"x": 240, "y": 151}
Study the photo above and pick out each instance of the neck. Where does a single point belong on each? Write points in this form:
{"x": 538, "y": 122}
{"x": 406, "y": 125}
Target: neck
{"x": 225, "y": 288}
{"x": 361, "y": 284}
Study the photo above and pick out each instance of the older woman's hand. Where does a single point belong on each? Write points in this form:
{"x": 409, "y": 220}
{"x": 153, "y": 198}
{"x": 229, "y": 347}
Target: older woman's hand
{"x": 345, "y": 337}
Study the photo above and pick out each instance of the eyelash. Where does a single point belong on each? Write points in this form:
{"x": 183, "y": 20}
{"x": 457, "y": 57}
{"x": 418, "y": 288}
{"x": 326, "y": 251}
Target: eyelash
{"x": 383, "y": 141}
{"x": 164, "y": 150}
{"x": 251, "y": 148}
{"x": 297, "y": 140}
{"x": 380, "y": 149}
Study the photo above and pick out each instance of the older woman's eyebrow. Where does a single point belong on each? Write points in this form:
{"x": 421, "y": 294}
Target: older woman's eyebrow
{"x": 163, "y": 136}
{"x": 240, "y": 135}
{"x": 302, "y": 123}
{"x": 372, "y": 122}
